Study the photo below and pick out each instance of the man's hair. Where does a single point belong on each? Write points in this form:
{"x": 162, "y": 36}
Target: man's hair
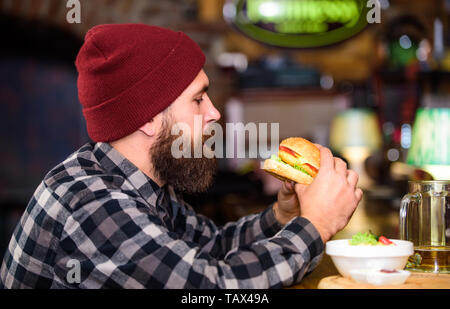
{"x": 166, "y": 118}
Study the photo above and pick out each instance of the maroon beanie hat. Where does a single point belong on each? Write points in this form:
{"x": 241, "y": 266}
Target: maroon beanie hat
{"x": 129, "y": 73}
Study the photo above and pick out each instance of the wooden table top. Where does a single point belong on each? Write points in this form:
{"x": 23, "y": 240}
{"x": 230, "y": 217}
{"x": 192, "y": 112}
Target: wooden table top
{"x": 326, "y": 276}
{"x": 415, "y": 281}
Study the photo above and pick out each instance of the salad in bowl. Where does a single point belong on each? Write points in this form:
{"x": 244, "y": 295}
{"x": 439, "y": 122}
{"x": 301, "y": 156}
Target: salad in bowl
{"x": 366, "y": 253}
{"x": 369, "y": 239}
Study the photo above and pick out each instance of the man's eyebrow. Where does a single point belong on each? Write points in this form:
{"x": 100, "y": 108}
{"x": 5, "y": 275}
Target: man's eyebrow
{"x": 204, "y": 89}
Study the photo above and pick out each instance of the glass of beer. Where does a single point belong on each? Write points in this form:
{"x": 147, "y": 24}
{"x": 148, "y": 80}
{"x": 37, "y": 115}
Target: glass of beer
{"x": 425, "y": 221}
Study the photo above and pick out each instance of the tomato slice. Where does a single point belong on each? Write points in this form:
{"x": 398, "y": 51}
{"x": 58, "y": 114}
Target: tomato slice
{"x": 297, "y": 155}
{"x": 289, "y": 151}
{"x": 312, "y": 167}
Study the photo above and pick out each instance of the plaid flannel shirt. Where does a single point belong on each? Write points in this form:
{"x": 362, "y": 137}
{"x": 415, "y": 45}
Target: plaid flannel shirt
{"x": 125, "y": 231}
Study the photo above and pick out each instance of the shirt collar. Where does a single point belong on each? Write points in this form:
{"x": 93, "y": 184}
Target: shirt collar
{"x": 113, "y": 161}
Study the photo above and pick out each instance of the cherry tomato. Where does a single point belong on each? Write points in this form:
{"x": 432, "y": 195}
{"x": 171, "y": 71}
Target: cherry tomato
{"x": 384, "y": 240}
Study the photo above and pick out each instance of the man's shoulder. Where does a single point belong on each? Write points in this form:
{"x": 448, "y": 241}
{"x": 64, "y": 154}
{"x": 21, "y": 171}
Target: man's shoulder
{"x": 80, "y": 163}
{"x": 82, "y": 175}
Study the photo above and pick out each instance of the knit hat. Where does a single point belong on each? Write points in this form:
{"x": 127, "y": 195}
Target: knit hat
{"x": 129, "y": 73}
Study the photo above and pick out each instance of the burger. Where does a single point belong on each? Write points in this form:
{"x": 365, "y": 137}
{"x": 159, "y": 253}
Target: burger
{"x": 298, "y": 160}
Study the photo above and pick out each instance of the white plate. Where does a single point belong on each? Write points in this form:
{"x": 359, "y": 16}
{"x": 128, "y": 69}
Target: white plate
{"x": 376, "y": 277}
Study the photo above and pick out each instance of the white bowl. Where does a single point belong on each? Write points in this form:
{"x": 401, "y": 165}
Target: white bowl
{"x": 376, "y": 277}
{"x": 347, "y": 257}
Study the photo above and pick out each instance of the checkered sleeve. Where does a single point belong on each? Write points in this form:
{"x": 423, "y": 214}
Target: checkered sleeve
{"x": 241, "y": 233}
{"x": 119, "y": 243}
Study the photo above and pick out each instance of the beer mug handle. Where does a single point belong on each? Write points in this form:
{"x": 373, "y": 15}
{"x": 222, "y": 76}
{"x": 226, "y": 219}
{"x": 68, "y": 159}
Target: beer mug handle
{"x": 407, "y": 200}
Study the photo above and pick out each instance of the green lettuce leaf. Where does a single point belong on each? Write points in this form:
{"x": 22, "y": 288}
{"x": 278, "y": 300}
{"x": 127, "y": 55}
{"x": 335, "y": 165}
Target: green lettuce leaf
{"x": 276, "y": 158}
{"x": 366, "y": 238}
{"x": 297, "y": 167}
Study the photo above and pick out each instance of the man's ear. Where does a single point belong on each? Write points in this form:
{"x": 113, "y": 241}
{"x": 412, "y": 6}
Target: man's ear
{"x": 149, "y": 128}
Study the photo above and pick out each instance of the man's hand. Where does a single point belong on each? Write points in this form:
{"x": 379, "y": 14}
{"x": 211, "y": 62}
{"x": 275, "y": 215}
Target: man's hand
{"x": 287, "y": 206}
{"x": 329, "y": 202}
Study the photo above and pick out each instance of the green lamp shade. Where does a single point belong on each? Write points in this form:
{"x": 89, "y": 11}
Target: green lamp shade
{"x": 430, "y": 138}
{"x": 356, "y": 127}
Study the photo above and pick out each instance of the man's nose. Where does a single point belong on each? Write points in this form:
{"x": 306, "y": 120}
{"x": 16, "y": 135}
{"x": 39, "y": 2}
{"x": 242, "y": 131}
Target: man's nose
{"x": 211, "y": 112}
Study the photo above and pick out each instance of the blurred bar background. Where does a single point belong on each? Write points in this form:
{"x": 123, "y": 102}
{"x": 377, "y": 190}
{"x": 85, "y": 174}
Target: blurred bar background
{"x": 359, "y": 97}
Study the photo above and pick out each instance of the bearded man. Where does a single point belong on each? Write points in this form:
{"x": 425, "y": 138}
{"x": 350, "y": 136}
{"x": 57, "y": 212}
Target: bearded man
{"x": 112, "y": 214}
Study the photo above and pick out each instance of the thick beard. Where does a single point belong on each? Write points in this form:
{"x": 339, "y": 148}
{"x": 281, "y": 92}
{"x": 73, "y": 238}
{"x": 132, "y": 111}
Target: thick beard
{"x": 186, "y": 175}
